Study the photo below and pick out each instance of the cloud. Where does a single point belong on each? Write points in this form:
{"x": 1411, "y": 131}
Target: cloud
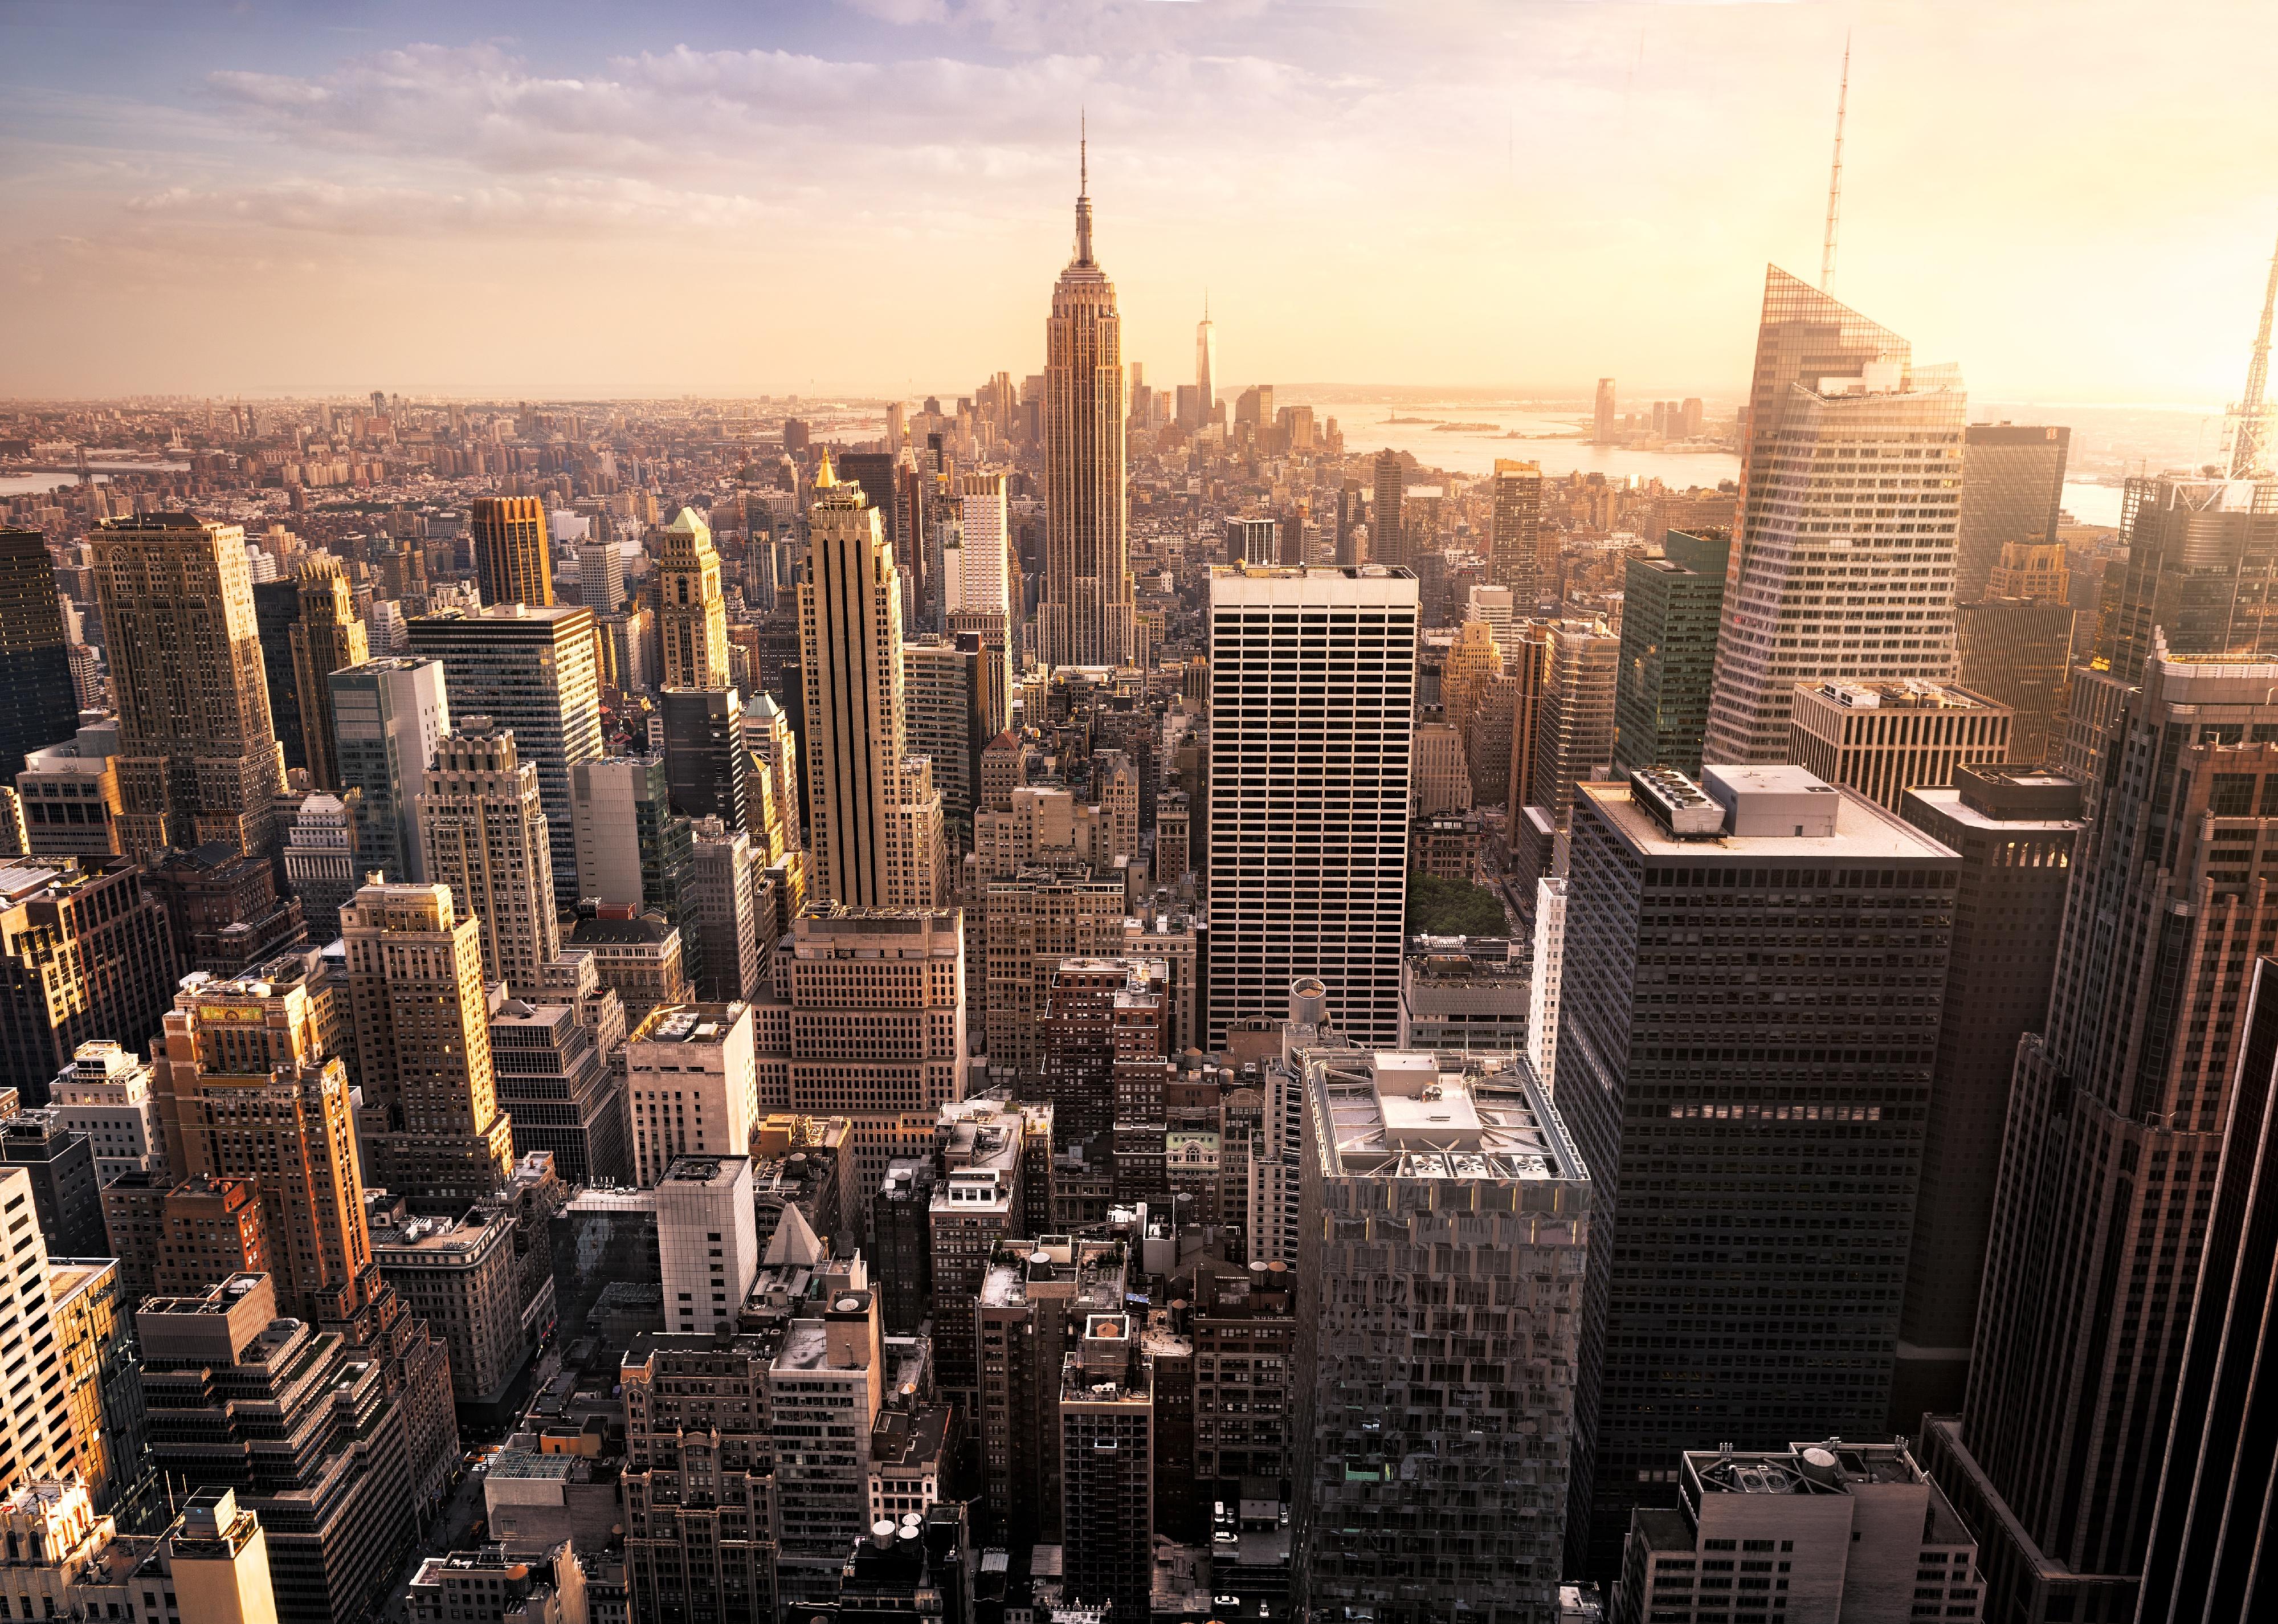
{"x": 565, "y": 204}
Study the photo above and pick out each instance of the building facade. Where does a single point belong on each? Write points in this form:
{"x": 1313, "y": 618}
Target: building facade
{"x": 1851, "y": 467}
{"x": 532, "y": 672}
{"x": 387, "y": 717}
{"x": 1427, "y": 1178}
{"x": 1085, "y": 617}
{"x": 198, "y": 759}
{"x": 1310, "y": 789}
{"x": 1671, "y": 608}
{"x": 1807, "y": 1087}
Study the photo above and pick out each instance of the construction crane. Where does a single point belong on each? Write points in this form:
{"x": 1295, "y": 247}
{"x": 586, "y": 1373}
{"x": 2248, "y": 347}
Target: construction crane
{"x": 2249, "y": 421}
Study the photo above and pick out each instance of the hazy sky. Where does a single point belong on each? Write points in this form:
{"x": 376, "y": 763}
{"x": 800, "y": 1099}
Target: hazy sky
{"x": 2073, "y": 201}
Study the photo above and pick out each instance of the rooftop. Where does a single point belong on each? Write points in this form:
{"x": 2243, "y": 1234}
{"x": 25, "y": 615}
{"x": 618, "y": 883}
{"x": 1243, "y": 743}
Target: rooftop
{"x": 440, "y": 1238}
{"x": 1861, "y": 831}
{"x": 690, "y": 1023}
{"x": 1407, "y": 1113}
{"x": 1910, "y": 693}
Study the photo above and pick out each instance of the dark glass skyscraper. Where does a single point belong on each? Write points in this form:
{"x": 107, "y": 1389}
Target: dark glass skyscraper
{"x": 2014, "y": 828}
{"x": 38, "y": 705}
{"x": 1747, "y": 1025}
{"x": 2012, "y": 485}
{"x": 276, "y": 611}
{"x": 1670, "y": 608}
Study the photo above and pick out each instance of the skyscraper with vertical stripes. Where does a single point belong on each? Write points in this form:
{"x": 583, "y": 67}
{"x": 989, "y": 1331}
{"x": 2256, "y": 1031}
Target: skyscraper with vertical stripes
{"x": 1850, "y": 499}
{"x": 1086, "y": 617}
{"x": 1312, "y": 704}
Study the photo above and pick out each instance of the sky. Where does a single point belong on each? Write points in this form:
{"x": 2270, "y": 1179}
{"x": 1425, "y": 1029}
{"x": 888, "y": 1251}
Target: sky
{"x": 2074, "y": 201}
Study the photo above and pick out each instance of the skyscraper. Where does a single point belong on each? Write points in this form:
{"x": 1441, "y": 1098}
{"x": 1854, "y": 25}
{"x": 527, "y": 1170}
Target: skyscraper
{"x": 691, "y": 615}
{"x": 197, "y": 760}
{"x": 711, "y": 1547}
{"x": 1386, "y": 539}
{"x": 984, "y": 556}
{"x": 873, "y": 814}
{"x": 35, "y": 1409}
{"x": 326, "y": 636}
{"x": 2015, "y": 828}
{"x": 2195, "y": 573}
{"x": 1086, "y": 615}
{"x": 877, "y": 1028}
{"x": 224, "y": 1374}
{"x": 387, "y": 716}
{"x": 1398, "y": 1143}
{"x": 481, "y": 831}
{"x": 1309, "y": 790}
{"x": 1671, "y": 608}
{"x": 1851, "y": 470}
{"x": 1803, "y": 1088}
{"x": 84, "y": 952}
{"x": 706, "y": 760}
{"x": 1574, "y": 730}
{"x": 1601, "y": 414}
{"x": 2110, "y": 1166}
{"x": 513, "y": 563}
{"x": 2015, "y": 643}
{"x": 38, "y": 706}
{"x": 946, "y": 696}
{"x": 601, "y": 576}
{"x": 2012, "y": 489}
{"x": 1206, "y": 366}
{"x": 532, "y": 671}
{"x": 2209, "y": 1559}
{"x": 1520, "y": 556}
{"x": 432, "y": 1128}
{"x": 276, "y": 611}
{"x": 1884, "y": 738}
{"x": 279, "y": 1114}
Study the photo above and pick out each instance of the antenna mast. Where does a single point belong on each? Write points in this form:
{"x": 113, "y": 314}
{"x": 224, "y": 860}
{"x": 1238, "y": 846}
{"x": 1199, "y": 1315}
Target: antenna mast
{"x": 2247, "y": 417}
{"x": 1835, "y": 177}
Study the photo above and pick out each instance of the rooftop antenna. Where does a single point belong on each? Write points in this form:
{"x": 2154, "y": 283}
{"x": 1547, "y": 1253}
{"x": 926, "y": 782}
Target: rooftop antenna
{"x": 1083, "y": 189}
{"x": 1835, "y": 177}
{"x": 2248, "y": 421}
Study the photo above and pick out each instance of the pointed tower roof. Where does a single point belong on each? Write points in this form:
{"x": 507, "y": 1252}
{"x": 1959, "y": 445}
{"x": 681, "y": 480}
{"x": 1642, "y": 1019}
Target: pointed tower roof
{"x": 1084, "y": 195}
{"x": 824, "y": 477}
{"x": 794, "y": 1242}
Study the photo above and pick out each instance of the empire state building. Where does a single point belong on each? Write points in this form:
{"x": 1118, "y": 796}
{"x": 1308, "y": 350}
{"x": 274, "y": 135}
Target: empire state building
{"x": 1086, "y": 614}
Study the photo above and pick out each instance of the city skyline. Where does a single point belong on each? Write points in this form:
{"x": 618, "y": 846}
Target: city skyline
{"x": 1090, "y": 994}
{"x": 227, "y": 200}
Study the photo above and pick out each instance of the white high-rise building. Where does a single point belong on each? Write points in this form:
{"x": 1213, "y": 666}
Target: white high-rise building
{"x": 984, "y": 551}
{"x": 601, "y": 576}
{"x": 35, "y": 1426}
{"x": 1851, "y": 497}
{"x": 1313, "y": 701}
{"x": 707, "y": 1240}
{"x": 1542, "y": 992}
{"x": 105, "y": 1094}
{"x": 693, "y": 1077}
{"x": 1492, "y": 605}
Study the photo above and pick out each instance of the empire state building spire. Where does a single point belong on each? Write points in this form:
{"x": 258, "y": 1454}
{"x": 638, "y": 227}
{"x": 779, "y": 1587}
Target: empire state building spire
{"x": 1086, "y": 617}
{"x": 1083, "y": 194}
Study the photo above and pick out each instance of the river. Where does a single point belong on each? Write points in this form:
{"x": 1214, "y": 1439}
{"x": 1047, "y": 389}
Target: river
{"x": 49, "y": 479}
